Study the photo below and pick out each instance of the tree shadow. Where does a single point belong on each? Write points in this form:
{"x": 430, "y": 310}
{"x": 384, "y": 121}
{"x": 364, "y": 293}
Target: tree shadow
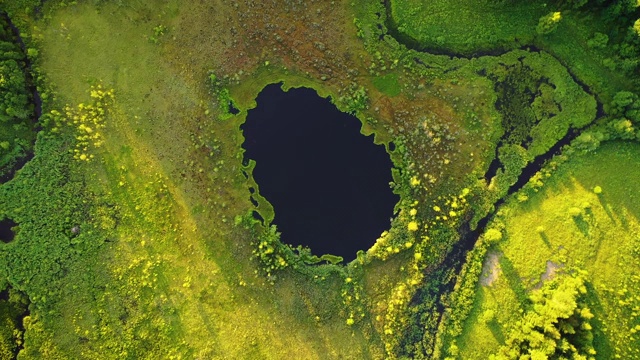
{"x": 545, "y": 239}
{"x": 582, "y": 225}
{"x": 601, "y": 342}
{"x": 514, "y": 281}
{"x": 606, "y": 206}
{"x": 496, "y": 330}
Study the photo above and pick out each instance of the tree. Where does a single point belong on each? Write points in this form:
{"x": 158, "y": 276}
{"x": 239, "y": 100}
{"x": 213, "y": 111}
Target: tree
{"x": 621, "y": 101}
{"x": 548, "y": 23}
{"x": 11, "y": 311}
{"x": 556, "y": 326}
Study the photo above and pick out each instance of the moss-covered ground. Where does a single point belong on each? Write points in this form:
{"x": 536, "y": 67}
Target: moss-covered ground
{"x": 480, "y": 26}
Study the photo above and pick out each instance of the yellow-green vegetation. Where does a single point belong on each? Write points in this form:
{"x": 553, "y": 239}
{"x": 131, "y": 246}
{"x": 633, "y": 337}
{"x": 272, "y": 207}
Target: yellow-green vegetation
{"x": 134, "y": 231}
{"x": 86, "y": 121}
{"x": 595, "y": 39}
{"x": 584, "y": 217}
{"x": 557, "y": 325}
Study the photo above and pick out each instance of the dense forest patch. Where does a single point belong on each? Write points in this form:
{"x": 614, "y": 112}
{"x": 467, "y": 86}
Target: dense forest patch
{"x": 17, "y": 112}
{"x": 13, "y": 310}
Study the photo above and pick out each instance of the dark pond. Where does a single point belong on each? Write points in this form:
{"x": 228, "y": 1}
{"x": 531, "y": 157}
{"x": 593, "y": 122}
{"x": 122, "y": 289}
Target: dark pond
{"x": 6, "y": 230}
{"x": 328, "y": 183}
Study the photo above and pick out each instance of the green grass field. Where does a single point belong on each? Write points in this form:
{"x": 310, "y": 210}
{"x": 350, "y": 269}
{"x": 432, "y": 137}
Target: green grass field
{"x": 467, "y": 27}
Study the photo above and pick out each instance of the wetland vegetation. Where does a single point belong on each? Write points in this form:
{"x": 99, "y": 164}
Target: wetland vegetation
{"x": 479, "y": 158}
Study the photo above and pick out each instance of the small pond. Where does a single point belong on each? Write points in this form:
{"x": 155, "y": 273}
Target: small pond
{"x": 328, "y": 183}
{"x": 6, "y": 230}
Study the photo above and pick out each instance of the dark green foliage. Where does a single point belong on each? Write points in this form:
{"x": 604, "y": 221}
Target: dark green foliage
{"x": 625, "y": 103}
{"x": 45, "y": 245}
{"x": 621, "y": 101}
{"x": 599, "y": 41}
{"x": 19, "y": 7}
{"x": 589, "y": 140}
{"x": 14, "y": 101}
{"x": 16, "y": 108}
{"x": 429, "y": 305}
{"x": 462, "y": 298}
{"x": 539, "y": 101}
{"x": 619, "y": 36}
{"x": 625, "y": 108}
{"x": 574, "y": 4}
{"x": 218, "y": 88}
{"x": 418, "y": 340}
{"x": 516, "y": 92}
{"x": 355, "y": 100}
{"x": 622, "y": 129}
{"x": 513, "y": 159}
{"x": 13, "y": 306}
{"x": 618, "y": 9}
{"x": 58, "y": 258}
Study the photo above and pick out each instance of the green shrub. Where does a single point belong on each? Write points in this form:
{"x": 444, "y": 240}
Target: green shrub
{"x": 548, "y": 23}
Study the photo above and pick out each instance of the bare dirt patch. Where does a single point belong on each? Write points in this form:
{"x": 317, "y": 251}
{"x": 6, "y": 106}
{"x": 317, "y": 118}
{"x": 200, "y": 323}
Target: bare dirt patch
{"x": 490, "y": 268}
{"x": 549, "y": 273}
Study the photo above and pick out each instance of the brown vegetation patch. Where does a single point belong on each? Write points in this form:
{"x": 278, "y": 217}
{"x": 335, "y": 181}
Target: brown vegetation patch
{"x": 227, "y": 38}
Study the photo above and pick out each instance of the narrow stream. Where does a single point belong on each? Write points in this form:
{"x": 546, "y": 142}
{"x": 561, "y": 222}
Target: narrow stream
{"x": 454, "y": 259}
{"x": 468, "y": 236}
